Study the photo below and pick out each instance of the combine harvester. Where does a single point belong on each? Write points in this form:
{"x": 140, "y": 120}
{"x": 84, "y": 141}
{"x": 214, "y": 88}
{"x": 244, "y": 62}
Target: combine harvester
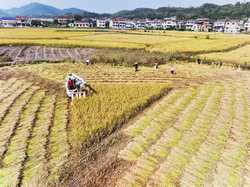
{"x": 76, "y": 87}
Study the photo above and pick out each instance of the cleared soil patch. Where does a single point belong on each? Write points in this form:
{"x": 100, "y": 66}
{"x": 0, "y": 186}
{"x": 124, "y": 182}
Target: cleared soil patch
{"x": 25, "y": 54}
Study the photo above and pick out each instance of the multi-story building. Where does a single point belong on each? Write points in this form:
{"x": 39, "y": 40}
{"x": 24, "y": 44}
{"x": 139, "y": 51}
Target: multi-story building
{"x": 102, "y": 23}
{"x": 189, "y": 25}
{"x": 140, "y": 24}
{"x": 121, "y": 24}
{"x": 64, "y": 21}
{"x": 202, "y": 25}
{"x": 40, "y": 22}
{"x": 82, "y": 24}
{"x": 219, "y": 26}
{"x": 169, "y": 23}
{"x": 233, "y": 26}
{"x": 8, "y": 22}
{"x": 154, "y": 24}
{"x": 247, "y": 26}
{"x": 22, "y": 21}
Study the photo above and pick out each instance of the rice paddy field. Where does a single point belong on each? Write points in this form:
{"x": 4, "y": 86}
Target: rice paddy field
{"x": 36, "y": 135}
{"x": 239, "y": 56}
{"x": 167, "y": 42}
{"x": 145, "y": 128}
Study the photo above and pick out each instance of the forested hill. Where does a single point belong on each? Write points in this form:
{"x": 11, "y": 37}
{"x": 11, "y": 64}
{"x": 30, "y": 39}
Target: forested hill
{"x": 236, "y": 11}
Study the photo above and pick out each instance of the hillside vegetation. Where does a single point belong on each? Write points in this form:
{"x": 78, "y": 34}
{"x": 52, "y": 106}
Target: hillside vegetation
{"x": 208, "y": 10}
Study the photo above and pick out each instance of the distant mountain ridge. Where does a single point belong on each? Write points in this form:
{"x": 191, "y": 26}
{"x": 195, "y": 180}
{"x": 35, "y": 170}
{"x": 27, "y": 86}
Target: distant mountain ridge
{"x": 38, "y": 9}
{"x": 208, "y": 10}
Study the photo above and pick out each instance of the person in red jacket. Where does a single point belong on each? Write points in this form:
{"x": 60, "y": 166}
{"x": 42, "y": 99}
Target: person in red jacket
{"x": 70, "y": 84}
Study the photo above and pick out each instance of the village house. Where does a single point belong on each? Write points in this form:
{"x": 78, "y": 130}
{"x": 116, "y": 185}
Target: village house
{"x": 247, "y": 25}
{"x": 202, "y": 25}
{"x": 8, "y": 22}
{"x": 117, "y": 24}
{"x": 169, "y": 23}
{"x": 180, "y": 25}
{"x": 102, "y": 23}
{"x": 22, "y": 21}
{"x": 219, "y": 26}
{"x": 121, "y": 24}
{"x": 140, "y": 24}
{"x": 233, "y": 26}
{"x": 154, "y": 24}
{"x": 189, "y": 25}
{"x": 82, "y": 24}
{"x": 196, "y": 27}
{"x": 64, "y": 21}
{"x": 40, "y": 22}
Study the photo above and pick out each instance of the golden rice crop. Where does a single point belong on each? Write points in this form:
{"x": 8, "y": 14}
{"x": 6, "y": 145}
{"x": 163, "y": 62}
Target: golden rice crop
{"x": 237, "y": 56}
{"x": 164, "y": 42}
{"x": 113, "y": 105}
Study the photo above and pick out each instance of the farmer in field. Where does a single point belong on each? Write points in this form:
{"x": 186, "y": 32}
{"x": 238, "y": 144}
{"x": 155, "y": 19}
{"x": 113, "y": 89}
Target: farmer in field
{"x": 199, "y": 61}
{"x": 156, "y": 66}
{"x": 136, "y": 66}
{"x": 87, "y": 62}
{"x": 221, "y": 64}
{"x": 70, "y": 84}
{"x": 173, "y": 71}
{"x": 78, "y": 85}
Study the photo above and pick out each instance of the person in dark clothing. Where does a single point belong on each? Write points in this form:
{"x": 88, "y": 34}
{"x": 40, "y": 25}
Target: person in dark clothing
{"x": 156, "y": 66}
{"x": 199, "y": 61}
{"x": 136, "y": 66}
{"x": 87, "y": 62}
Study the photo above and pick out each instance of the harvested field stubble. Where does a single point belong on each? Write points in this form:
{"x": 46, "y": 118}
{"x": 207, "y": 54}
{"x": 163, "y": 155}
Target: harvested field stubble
{"x": 207, "y": 144}
{"x": 33, "y": 142}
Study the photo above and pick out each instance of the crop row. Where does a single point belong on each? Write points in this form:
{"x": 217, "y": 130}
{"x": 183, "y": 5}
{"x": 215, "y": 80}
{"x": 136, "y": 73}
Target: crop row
{"x": 171, "y": 169}
{"x": 35, "y": 169}
{"x": 230, "y": 167}
{"x": 156, "y": 127}
{"x": 8, "y": 102}
{"x": 151, "y": 158}
{"x": 12, "y": 163}
{"x": 58, "y": 145}
{"x": 12, "y": 119}
{"x": 207, "y": 146}
{"x": 34, "y": 145}
{"x": 199, "y": 169}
